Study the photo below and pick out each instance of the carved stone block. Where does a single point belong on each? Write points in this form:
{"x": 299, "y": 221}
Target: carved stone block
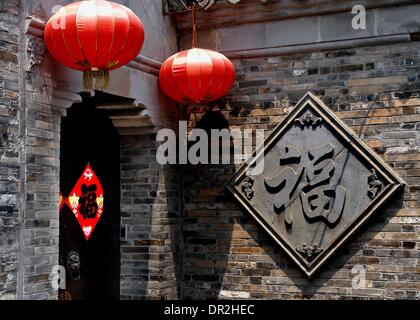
{"x": 319, "y": 184}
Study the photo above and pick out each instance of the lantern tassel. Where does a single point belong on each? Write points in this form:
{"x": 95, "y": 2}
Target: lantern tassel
{"x": 95, "y": 79}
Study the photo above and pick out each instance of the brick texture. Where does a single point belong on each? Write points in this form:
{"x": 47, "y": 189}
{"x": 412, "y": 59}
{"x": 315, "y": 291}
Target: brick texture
{"x": 150, "y": 209}
{"x": 185, "y": 237}
{"x": 9, "y": 149}
{"x": 375, "y": 90}
{"x": 32, "y": 102}
{"x": 29, "y": 159}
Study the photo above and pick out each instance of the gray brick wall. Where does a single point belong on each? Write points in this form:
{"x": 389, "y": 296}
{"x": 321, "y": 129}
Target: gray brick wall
{"x": 9, "y": 149}
{"x": 35, "y": 91}
{"x": 150, "y": 209}
{"x": 30, "y": 117}
{"x": 205, "y": 246}
{"x": 44, "y": 102}
{"x": 375, "y": 90}
{"x": 42, "y": 185}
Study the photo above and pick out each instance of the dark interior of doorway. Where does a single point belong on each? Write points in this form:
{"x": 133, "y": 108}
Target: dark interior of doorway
{"x": 88, "y": 137}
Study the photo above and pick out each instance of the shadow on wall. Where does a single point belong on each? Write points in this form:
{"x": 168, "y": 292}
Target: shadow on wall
{"x": 150, "y": 213}
{"x": 171, "y": 277}
{"x": 208, "y": 220}
{"x": 228, "y": 255}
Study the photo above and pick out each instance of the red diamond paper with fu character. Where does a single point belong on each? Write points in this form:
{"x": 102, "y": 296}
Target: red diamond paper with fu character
{"x": 86, "y": 201}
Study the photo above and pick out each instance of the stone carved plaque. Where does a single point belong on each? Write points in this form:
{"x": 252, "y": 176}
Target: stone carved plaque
{"x": 320, "y": 183}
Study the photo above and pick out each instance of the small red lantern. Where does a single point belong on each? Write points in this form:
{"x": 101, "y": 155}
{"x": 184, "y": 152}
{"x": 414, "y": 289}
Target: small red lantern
{"x": 196, "y": 76}
{"x": 94, "y": 36}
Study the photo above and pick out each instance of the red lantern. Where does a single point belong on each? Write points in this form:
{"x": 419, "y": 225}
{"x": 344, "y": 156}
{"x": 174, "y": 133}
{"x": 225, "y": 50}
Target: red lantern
{"x": 94, "y": 37}
{"x": 196, "y": 76}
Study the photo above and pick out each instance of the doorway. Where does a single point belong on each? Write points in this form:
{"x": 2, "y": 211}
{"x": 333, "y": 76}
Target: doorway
{"x": 93, "y": 265}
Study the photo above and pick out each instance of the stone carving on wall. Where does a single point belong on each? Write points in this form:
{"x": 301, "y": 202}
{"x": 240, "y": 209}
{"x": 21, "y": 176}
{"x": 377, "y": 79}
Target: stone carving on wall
{"x": 309, "y": 252}
{"x": 308, "y": 119}
{"x": 375, "y": 185}
{"x": 247, "y": 187}
{"x": 313, "y": 183}
{"x": 35, "y": 45}
{"x": 35, "y": 50}
{"x": 208, "y": 3}
{"x": 179, "y": 5}
{"x": 320, "y": 183}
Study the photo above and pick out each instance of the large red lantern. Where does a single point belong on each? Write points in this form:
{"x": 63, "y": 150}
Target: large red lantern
{"x": 94, "y": 36}
{"x": 196, "y": 76}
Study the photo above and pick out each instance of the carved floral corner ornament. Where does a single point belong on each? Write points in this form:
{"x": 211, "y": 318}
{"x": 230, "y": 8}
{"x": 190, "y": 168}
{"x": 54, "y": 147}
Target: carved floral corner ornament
{"x": 319, "y": 185}
{"x": 170, "y": 6}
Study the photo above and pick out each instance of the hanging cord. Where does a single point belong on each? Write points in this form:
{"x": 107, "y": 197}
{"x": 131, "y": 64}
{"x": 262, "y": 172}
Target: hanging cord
{"x": 194, "y": 28}
{"x": 192, "y": 9}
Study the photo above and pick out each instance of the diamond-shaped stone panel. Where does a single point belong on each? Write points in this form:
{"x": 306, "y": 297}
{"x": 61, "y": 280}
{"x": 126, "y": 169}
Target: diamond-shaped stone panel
{"x": 318, "y": 186}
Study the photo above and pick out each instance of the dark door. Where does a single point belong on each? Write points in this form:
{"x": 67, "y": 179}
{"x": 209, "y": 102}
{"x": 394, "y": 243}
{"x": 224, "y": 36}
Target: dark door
{"x": 92, "y": 266}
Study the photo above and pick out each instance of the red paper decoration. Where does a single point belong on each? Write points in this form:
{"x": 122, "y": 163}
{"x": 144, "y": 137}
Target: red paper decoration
{"x": 86, "y": 201}
{"x": 196, "y": 76}
{"x": 61, "y": 201}
{"x": 94, "y": 36}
